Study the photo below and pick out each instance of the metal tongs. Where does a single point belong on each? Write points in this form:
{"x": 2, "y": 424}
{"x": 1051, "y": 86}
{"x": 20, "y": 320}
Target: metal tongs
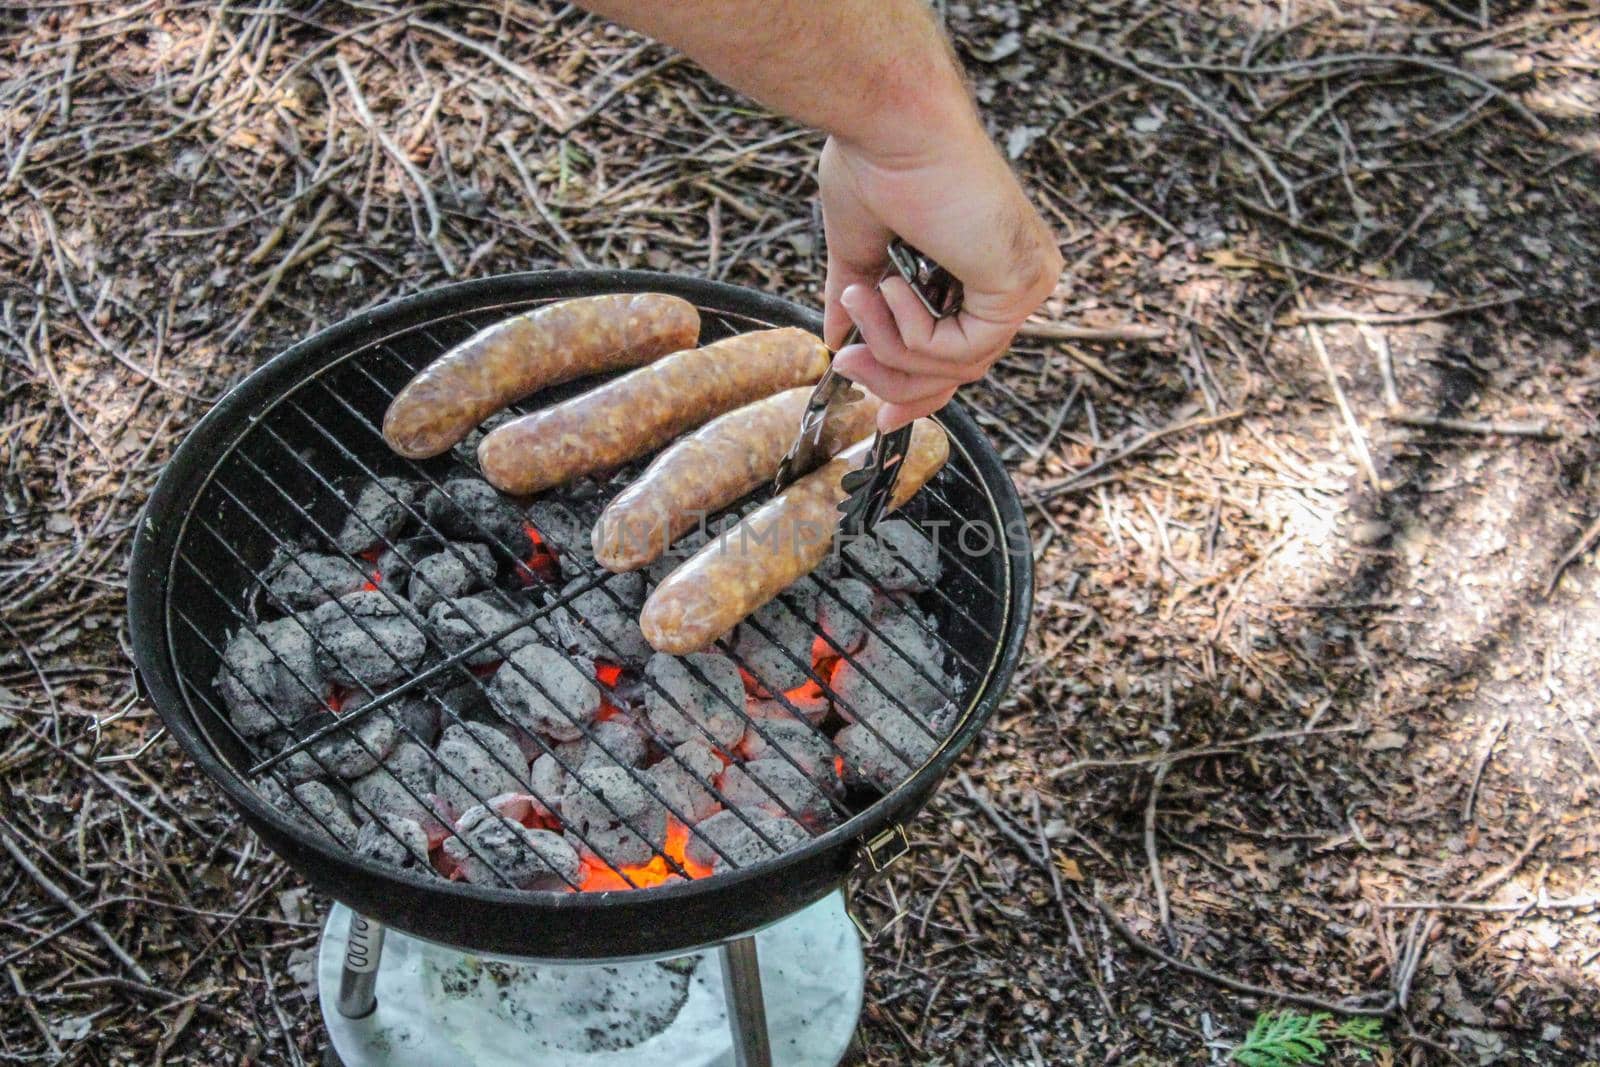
{"x": 870, "y": 485}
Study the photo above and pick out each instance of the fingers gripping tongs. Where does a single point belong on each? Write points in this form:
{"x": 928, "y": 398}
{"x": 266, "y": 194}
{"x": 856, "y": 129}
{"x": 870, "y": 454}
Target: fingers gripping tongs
{"x": 870, "y": 485}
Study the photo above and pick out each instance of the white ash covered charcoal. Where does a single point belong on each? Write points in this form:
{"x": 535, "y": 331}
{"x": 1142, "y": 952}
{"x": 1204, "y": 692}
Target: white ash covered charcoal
{"x": 562, "y": 528}
{"x": 402, "y": 786}
{"x": 349, "y": 752}
{"x": 470, "y": 509}
{"x": 603, "y": 622}
{"x": 459, "y": 698}
{"x": 510, "y": 852}
{"x": 544, "y": 691}
{"x": 895, "y": 556}
{"x": 809, "y": 703}
{"x": 415, "y": 715}
{"x": 613, "y": 817}
{"x": 395, "y": 563}
{"x": 732, "y": 834}
{"x": 297, "y": 579}
{"x": 613, "y": 742}
{"x": 378, "y": 513}
{"x": 393, "y": 840}
{"x": 780, "y": 788}
{"x": 789, "y": 739}
{"x": 322, "y": 811}
{"x": 695, "y": 697}
{"x": 842, "y": 613}
{"x": 461, "y": 567}
{"x": 269, "y": 677}
{"x": 464, "y": 621}
{"x": 774, "y": 644}
{"x": 899, "y": 667}
{"x": 367, "y": 639}
{"x": 880, "y": 759}
{"x": 477, "y": 762}
{"x": 682, "y": 780}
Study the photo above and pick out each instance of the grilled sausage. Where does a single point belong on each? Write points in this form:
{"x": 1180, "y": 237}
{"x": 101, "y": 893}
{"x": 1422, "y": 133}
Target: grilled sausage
{"x": 775, "y": 546}
{"x": 710, "y": 469}
{"x": 644, "y": 409}
{"x": 520, "y": 356}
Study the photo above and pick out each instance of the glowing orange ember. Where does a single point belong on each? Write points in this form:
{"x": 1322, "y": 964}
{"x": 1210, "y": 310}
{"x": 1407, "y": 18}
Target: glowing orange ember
{"x": 607, "y": 673}
{"x": 372, "y": 583}
{"x": 336, "y": 698}
{"x": 598, "y": 877}
{"x": 540, "y": 566}
{"x": 838, "y": 766}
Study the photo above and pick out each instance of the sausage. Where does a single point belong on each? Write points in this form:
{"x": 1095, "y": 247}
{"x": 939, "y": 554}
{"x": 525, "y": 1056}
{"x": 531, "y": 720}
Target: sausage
{"x": 644, "y": 409}
{"x": 710, "y": 469}
{"x": 520, "y": 356}
{"x": 775, "y": 546}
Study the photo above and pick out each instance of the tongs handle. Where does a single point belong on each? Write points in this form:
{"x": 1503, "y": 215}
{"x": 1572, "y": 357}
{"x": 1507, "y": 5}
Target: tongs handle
{"x": 870, "y": 485}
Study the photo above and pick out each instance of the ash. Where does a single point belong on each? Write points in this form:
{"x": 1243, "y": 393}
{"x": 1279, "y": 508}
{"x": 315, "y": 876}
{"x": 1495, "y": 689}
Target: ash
{"x": 296, "y": 579}
{"x": 731, "y": 839}
{"x": 367, "y": 639}
{"x": 616, "y": 820}
{"x": 491, "y": 849}
{"x": 462, "y": 567}
{"x": 544, "y": 691}
{"x": 270, "y": 677}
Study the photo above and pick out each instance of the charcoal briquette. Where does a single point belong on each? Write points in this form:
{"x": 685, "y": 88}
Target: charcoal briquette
{"x": 547, "y": 692}
{"x": 378, "y": 514}
{"x": 493, "y": 850}
{"x": 775, "y": 785}
{"x": 698, "y": 696}
{"x": 603, "y": 622}
{"x": 400, "y": 787}
{"x": 732, "y": 839}
{"x": 471, "y": 510}
{"x": 789, "y": 739}
{"x": 683, "y": 780}
{"x": 367, "y": 639}
{"x": 896, "y": 556}
{"x": 349, "y": 752}
{"x": 885, "y": 754}
{"x": 842, "y": 613}
{"x": 613, "y": 817}
{"x": 297, "y": 579}
{"x": 462, "y": 622}
{"x": 270, "y": 678}
{"x": 393, "y": 840}
{"x": 477, "y": 763}
{"x": 774, "y": 644}
{"x": 460, "y": 568}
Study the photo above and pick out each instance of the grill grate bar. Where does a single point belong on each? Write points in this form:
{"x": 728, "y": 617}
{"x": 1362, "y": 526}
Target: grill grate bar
{"x": 601, "y": 583}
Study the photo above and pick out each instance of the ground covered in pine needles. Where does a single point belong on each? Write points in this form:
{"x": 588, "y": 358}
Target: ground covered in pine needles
{"x": 1308, "y": 720}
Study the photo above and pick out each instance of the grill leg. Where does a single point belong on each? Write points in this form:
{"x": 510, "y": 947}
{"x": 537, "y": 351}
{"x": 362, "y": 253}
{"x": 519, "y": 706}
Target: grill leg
{"x": 747, "y": 1012}
{"x": 358, "y": 981}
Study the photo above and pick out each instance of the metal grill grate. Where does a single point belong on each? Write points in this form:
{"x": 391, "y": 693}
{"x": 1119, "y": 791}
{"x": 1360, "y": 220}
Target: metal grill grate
{"x": 286, "y": 478}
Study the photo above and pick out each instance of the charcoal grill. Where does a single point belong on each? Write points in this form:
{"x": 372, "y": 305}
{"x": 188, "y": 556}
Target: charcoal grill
{"x": 271, "y": 465}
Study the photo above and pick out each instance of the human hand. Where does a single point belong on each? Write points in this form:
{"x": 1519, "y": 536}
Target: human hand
{"x": 955, "y": 200}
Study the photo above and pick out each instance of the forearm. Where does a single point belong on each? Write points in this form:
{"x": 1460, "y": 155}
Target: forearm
{"x": 878, "y": 74}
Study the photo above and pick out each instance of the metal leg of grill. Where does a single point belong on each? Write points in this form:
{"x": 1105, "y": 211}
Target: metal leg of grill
{"x": 747, "y": 1012}
{"x": 358, "y": 981}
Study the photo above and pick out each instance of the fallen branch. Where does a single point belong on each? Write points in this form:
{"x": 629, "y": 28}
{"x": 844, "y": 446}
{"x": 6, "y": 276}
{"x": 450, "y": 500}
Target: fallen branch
{"x": 1487, "y": 428}
{"x": 1376, "y": 318}
{"x": 1585, "y": 542}
{"x": 65, "y": 899}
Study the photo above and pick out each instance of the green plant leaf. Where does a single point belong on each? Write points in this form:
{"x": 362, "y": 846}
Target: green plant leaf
{"x": 1283, "y": 1039}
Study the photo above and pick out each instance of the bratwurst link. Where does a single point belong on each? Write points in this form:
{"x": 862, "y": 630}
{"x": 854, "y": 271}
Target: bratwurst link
{"x": 643, "y": 410}
{"x": 520, "y": 356}
{"x": 775, "y": 546}
{"x": 710, "y": 469}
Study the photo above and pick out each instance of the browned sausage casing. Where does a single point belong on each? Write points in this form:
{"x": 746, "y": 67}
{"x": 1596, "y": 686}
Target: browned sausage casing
{"x": 520, "y": 356}
{"x": 775, "y": 546}
{"x": 710, "y": 469}
{"x": 643, "y": 410}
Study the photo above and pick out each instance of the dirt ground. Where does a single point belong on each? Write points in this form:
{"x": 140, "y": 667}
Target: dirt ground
{"x": 1309, "y": 715}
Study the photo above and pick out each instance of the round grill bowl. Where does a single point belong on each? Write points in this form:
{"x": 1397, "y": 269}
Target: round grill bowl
{"x": 184, "y": 588}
